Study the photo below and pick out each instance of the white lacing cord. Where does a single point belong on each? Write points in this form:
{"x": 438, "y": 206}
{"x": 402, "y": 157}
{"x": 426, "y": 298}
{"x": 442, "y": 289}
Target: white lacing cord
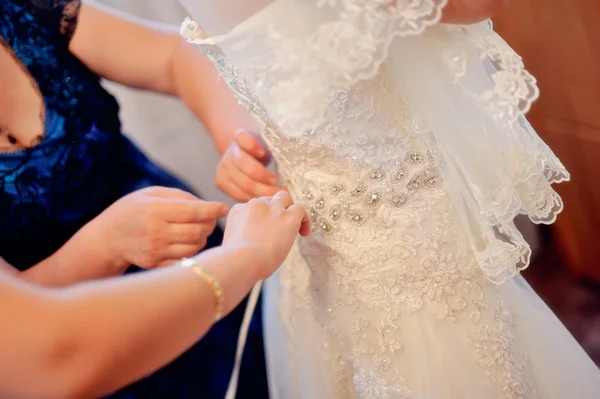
{"x": 250, "y": 306}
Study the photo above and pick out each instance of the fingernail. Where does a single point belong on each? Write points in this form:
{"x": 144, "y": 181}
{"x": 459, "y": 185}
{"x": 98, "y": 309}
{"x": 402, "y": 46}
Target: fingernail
{"x": 273, "y": 180}
{"x": 261, "y": 152}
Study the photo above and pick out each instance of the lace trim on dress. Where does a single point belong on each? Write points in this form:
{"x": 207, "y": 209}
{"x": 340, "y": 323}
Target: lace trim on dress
{"x": 348, "y": 43}
{"x": 466, "y": 89}
{"x": 386, "y": 244}
{"x": 60, "y": 15}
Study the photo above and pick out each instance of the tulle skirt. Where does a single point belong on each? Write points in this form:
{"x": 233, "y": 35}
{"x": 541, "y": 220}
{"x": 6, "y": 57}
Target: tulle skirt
{"x": 438, "y": 359}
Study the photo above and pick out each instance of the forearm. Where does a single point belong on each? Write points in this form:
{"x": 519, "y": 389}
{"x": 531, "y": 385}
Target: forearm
{"x": 196, "y": 80}
{"x": 107, "y": 334}
{"x": 152, "y": 56}
{"x": 64, "y": 267}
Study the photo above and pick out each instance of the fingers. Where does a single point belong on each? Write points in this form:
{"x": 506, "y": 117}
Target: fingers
{"x": 182, "y": 241}
{"x": 201, "y": 211}
{"x": 227, "y": 186}
{"x": 301, "y": 217}
{"x": 169, "y": 193}
{"x": 189, "y": 233}
{"x": 182, "y": 211}
{"x": 234, "y": 182}
{"x": 178, "y": 206}
{"x": 251, "y": 167}
{"x": 240, "y": 174}
{"x": 252, "y": 144}
{"x": 282, "y": 199}
{"x": 305, "y": 224}
{"x": 252, "y": 187}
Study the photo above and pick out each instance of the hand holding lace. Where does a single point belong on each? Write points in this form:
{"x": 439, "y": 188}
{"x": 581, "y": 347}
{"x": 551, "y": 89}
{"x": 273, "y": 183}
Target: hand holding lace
{"x": 242, "y": 173}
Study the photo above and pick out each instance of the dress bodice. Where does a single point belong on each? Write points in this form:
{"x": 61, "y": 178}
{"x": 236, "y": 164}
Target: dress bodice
{"x": 386, "y": 241}
{"x": 345, "y": 89}
{"x": 365, "y": 175}
{"x": 391, "y": 285}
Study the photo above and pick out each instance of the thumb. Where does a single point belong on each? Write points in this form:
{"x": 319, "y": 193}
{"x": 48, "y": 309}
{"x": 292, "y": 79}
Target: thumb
{"x": 252, "y": 144}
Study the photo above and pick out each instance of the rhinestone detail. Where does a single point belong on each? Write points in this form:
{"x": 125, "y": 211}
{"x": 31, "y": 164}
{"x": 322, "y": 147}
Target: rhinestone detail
{"x": 377, "y": 188}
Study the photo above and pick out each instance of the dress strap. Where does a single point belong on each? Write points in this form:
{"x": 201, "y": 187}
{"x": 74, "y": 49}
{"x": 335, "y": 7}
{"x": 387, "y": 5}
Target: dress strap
{"x": 250, "y": 307}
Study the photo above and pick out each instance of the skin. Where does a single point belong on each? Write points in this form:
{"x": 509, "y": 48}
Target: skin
{"x": 167, "y": 224}
{"x": 53, "y": 358}
{"x": 464, "y": 12}
{"x": 93, "y": 338}
{"x": 170, "y": 66}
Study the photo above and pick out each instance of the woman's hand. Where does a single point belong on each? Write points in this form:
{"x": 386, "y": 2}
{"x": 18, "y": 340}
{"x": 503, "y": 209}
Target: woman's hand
{"x": 471, "y": 11}
{"x": 96, "y": 337}
{"x": 154, "y": 226}
{"x": 269, "y": 225}
{"x": 242, "y": 173}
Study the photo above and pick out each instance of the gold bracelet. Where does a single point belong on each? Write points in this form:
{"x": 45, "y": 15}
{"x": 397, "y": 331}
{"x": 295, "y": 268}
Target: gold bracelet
{"x": 211, "y": 280}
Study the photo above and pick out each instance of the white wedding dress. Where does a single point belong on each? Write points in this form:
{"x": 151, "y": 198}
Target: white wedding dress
{"x": 406, "y": 140}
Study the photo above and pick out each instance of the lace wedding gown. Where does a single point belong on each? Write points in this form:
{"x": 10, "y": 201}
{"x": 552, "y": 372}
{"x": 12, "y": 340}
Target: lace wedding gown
{"x": 406, "y": 140}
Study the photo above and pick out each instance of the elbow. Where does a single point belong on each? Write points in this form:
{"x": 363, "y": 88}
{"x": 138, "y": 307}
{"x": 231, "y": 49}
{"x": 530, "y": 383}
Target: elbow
{"x": 65, "y": 378}
{"x": 76, "y": 376}
{"x": 67, "y": 390}
{"x": 75, "y": 384}
{"x": 68, "y": 365}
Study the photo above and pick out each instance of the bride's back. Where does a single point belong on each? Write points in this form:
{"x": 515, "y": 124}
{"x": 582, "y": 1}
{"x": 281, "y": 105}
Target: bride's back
{"x": 219, "y": 17}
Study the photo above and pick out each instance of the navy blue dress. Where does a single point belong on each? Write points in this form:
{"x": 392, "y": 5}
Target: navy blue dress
{"x": 82, "y": 165}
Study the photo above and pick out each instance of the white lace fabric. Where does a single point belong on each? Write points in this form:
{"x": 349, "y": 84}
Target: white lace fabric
{"x": 412, "y": 176}
{"x": 466, "y": 88}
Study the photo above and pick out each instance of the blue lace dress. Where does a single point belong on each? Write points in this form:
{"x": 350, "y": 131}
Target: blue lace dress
{"x": 80, "y": 166}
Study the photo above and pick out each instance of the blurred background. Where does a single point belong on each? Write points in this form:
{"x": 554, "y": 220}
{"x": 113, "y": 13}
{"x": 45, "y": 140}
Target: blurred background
{"x": 560, "y": 44}
{"x": 559, "y": 41}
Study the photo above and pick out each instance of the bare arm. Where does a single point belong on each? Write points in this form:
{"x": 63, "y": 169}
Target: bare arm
{"x": 90, "y": 340}
{"x": 471, "y": 11}
{"x": 151, "y": 56}
{"x": 199, "y": 84}
{"x": 64, "y": 266}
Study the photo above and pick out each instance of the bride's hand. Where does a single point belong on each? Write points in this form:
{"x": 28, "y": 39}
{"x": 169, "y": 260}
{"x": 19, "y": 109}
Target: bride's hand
{"x": 268, "y": 225}
{"x": 242, "y": 173}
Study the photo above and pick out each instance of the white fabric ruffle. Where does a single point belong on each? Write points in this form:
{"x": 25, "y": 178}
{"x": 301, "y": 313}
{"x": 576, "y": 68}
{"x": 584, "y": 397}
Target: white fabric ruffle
{"x": 466, "y": 88}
